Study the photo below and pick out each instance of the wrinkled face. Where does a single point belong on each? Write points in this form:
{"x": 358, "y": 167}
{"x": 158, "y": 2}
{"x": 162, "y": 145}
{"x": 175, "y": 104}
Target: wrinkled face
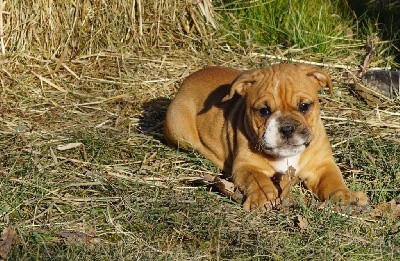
{"x": 282, "y": 108}
{"x": 282, "y": 119}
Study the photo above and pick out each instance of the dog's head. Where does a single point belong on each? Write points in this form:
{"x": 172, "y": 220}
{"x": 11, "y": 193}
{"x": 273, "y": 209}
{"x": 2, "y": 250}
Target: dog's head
{"x": 282, "y": 108}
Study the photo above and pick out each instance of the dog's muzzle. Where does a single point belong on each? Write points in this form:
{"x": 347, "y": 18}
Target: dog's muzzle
{"x": 284, "y": 137}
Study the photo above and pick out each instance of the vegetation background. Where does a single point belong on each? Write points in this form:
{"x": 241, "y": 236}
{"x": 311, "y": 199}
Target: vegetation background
{"x": 85, "y": 173}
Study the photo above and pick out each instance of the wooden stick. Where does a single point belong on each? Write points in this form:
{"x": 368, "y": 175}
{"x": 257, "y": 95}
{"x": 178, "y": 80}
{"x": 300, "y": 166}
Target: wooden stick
{"x": 282, "y": 58}
{"x": 140, "y": 18}
{"x": 368, "y": 122}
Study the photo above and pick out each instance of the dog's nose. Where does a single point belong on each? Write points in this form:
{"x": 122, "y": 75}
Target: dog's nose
{"x": 286, "y": 131}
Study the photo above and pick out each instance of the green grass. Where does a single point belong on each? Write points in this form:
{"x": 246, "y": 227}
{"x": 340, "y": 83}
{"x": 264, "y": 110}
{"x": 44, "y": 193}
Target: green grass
{"x": 326, "y": 28}
{"x": 316, "y": 26}
{"x": 382, "y": 13}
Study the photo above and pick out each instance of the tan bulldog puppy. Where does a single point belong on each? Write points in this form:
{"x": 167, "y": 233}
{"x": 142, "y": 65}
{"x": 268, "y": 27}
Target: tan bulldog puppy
{"x": 256, "y": 125}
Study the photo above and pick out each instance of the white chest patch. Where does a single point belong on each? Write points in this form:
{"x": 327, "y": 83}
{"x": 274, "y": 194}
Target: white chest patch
{"x": 282, "y": 165}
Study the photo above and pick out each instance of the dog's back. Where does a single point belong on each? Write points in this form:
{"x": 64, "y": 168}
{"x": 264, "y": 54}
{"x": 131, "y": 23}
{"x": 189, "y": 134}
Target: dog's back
{"x": 197, "y": 96}
{"x": 191, "y": 99}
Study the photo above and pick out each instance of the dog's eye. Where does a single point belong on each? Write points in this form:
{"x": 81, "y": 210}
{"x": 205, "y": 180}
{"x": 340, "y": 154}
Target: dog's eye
{"x": 304, "y": 107}
{"x": 264, "y": 111}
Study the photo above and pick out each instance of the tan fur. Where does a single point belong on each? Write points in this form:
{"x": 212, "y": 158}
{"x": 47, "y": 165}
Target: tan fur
{"x": 217, "y": 112}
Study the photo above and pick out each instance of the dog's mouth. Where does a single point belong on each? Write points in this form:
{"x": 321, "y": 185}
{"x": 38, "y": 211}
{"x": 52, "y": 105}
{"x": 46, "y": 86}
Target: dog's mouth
{"x": 285, "y": 150}
{"x": 284, "y": 147}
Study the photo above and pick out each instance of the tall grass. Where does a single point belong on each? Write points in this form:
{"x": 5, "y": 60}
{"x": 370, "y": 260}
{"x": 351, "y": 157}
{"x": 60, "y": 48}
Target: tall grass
{"x": 316, "y": 25}
{"x": 384, "y": 14}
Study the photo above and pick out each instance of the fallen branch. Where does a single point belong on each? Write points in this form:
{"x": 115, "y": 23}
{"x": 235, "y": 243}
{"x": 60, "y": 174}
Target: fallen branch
{"x": 282, "y": 58}
{"x": 368, "y": 122}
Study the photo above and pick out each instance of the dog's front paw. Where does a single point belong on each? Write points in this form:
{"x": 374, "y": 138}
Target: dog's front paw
{"x": 348, "y": 197}
{"x": 263, "y": 198}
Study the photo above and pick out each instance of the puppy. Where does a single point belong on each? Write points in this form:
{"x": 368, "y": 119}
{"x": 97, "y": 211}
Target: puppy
{"x": 258, "y": 125}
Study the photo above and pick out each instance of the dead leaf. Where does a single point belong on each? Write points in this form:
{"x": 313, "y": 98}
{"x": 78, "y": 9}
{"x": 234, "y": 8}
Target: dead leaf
{"x": 301, "y": 222}
{"x": 291, "y": 172}
{"x": 394, "y": 208}
{"x": 286, "y": 181}
{"x": 74, "y": 237}
{"x": 227, "y": 189}
{"x": 8, "y": 236}
{"x": 390, "y": 209}
{"x": 224, "y": 185}
{"x": 376, "y": 213}
{"x": 286, "y": 205}
{"x": 208, "y": 178}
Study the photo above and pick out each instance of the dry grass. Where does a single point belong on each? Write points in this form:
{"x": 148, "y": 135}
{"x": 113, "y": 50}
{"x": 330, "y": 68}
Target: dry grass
{"x": 69, "y": 29}
{"x": 85, "y": 174}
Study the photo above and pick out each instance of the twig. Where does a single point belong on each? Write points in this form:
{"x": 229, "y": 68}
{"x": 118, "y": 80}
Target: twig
{"x": 70, "y": 71}
{"x": 104, "y": 101}
{"x": 275, "y": 57}
{"x": 140, "y": 18}
{"x": 43, "y": 79}
{"x": 371, "y": 123}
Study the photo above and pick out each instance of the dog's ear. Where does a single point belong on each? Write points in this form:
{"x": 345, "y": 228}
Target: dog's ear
{"x": 323, "y": 79}
{"x": 320, "y": 75}
{"x": 243, "y": 82}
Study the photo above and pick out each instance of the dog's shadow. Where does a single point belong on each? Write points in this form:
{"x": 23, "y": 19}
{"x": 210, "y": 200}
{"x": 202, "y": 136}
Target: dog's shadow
{"x": 152, "y": 120}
